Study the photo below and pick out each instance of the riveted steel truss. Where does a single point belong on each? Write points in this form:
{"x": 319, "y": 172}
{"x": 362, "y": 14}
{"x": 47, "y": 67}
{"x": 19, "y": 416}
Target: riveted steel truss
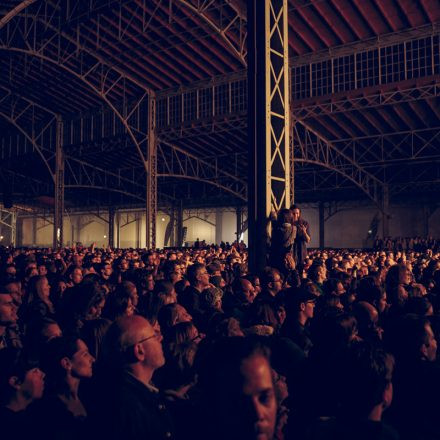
{"x": 174, "y": 161}
{"x": 383, "y": 150}
{"x": 39, "y": 134}
{"x": 310, "y": 147}
{"x": 367, "y": 100}
{"x": 8, "y": 219}
{"x": 227, "y": 18}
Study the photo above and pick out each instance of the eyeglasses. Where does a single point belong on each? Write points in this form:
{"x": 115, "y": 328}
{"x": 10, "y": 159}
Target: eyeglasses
{"x": 156, "y": 335}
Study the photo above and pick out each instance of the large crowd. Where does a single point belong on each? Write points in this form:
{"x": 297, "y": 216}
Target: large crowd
{"x": 188, "y": 344}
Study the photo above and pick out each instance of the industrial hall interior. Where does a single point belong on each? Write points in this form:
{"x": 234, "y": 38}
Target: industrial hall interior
{"x": 131, "y": 123}
{"x": 219, "y": 219}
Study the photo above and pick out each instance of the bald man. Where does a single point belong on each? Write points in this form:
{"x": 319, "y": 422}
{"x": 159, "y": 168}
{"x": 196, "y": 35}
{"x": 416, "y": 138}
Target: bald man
{"x": 133, "y": 408}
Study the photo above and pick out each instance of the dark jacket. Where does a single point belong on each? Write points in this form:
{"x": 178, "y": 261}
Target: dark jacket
{"x": 300, "y": 246}
{"x": 283, "y": 238}
{"x": 134, "y": 411}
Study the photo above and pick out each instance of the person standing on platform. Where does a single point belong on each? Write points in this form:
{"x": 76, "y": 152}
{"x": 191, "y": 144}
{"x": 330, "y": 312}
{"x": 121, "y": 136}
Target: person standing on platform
{"x": 302, "y": 238}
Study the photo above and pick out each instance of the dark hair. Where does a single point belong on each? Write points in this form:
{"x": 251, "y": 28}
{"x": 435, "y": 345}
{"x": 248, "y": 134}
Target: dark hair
{"x": 56, "y": 350}
{"x": 418, "y": 305}
{"x": 167, "y": 316}
{"x": 267, "y": 276}
{"x": 219, "y": 368}
{"x": 179, "y": 333}
{"x": 13, "y": 362}
{"x": 179, "y": 367}
{"x": 406, "y": 337}
{"x": 93, "y": 333}
{"x": 285, "y": 216}
{"x": 193, "y": 271}
{"x": 366, "y": 373}
{"x": 116, "y": 303}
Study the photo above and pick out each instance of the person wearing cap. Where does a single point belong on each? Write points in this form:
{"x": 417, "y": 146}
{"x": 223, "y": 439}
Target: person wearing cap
{"x": 300, "y": 306}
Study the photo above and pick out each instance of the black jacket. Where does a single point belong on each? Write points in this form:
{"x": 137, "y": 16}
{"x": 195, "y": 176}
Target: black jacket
{"x": 133, "y": 411}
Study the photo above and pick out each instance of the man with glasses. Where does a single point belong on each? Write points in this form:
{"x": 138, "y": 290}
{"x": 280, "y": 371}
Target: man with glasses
{"x": 135, "y": 409}
{"x": 198, "y": 278}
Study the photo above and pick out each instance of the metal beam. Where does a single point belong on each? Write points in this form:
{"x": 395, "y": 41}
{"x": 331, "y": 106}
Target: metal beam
{"x": 427, "y": 88}
{"x": 227, "y": 20}
{"x": 174, "y": 161}
{"x": 311, "y": 147}
{"x": 151, "y": 184}
{"x": 268, "y": 121}
{"x": 59, "y": 187}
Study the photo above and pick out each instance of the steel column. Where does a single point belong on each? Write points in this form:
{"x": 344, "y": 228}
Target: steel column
{"x": 34, "y": 231}
{"x": 218, "y": 225}
{"x": 111, "y": 227}
{"x": 118, "y": 229}
{"x": 385, "y": 211}
{"x": 173, "y": 226}
{"x": 321, "y": 225}
{"x": 59, "y": 187}
{"x": 151, "y": 165}
{"x": 239, "y": 214}
{"x": 14, "y": 228}
{"x": 268, "y": 120}
{"x": 179, "y": 226}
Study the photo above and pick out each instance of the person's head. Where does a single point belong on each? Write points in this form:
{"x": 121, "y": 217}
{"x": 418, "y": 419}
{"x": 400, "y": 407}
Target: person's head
{"x": 132, "y": 292}
{"x": 20, "y": 378}
{"x": 198, "y": 275}
{"x": 411, "y": 339}
{"x": 39, "y": 285}
{"x": 255, "y": 280}
{"x": 131, "y": 343}
{"x": 419, "y": 305}
{"x": 270, "y": 280}
{"x": 296, "y": 212}
{"x": 8, "y": 310}
{"x": 76, "y": 275}
{"x": 211, "y": 298}
{"x": 166, "y": 291}
{"x": 236, "y": 381}
{"x": 262, "y": 318}
{"x": 106, "y": 270}
{"x": 13, "y": 286}
{"x": 366, "y": 383}
{"x": 40, "y": 332}
{"x": 92, "y": 333}
{"x": 172, "y": 314}
{"x": 368, "y": 321}
{"x": 244, "y": 290}
{"x": 300, "y": 304}
{"x": 183, "y": 332}
{"x": 285, "y": 216}
{"x": 397, "y": 274}
{"x": 67, "y": 357}
{"x": 42, "y": 270}
{"x": 369, "y": 291}
{"x": 118, "y": 304}
{"x": 317, "y": 273}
